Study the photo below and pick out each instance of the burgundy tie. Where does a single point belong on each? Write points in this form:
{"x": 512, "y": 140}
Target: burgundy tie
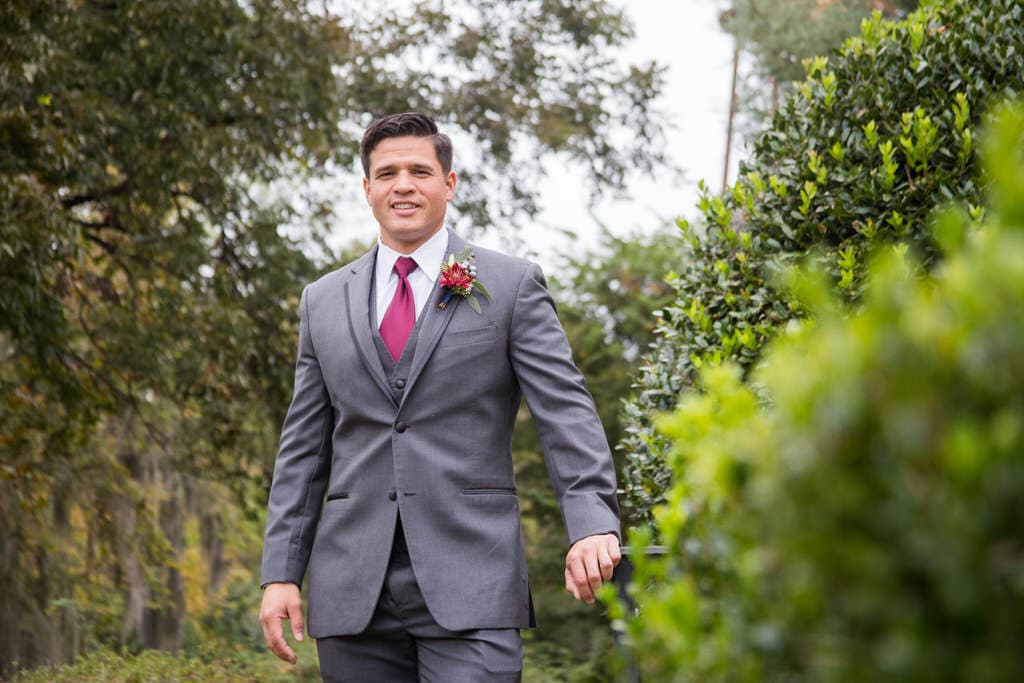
{"x": 400, "y": 317}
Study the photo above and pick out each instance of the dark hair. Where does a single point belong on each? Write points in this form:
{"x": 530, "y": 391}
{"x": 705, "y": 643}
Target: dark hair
{"x": 401, "y": 125}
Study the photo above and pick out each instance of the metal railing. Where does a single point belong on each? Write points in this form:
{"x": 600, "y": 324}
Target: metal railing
{"x": 621, "y": 578}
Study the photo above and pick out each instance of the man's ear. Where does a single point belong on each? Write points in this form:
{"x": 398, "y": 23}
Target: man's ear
{"x": 366, "y": 188}
{"x": 450, "y": 182}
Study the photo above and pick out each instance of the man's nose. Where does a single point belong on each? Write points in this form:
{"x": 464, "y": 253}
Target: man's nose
{"x": 403, "y": 183}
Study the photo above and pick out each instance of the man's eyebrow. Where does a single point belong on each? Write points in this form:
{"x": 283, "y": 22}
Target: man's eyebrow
{"x": 391, "y": 168}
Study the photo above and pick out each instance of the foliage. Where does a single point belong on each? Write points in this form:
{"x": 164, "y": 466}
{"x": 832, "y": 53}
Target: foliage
{"x": 781, "y": 34}
{"x": 607, "y": 301}
{"x": 863, "y": 151}
{"x": 605, "y": 297}
{"x": 545, "y": 661}
{"x": 225, "y": 664}
{"x": 148, "y": 287}
{"x": 524, "y": 78}
{"x": 867, "y": 524}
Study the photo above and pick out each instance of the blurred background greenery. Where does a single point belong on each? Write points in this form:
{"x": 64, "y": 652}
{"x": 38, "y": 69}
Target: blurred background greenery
{"x": 865, "y": 524}
{"x": 156, "y": 234}
{"x": 155, "y": 238}
{"x": 839, "y": 489}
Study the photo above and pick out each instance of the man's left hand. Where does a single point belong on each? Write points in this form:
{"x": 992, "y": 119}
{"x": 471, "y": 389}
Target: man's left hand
{"x": 590, "y": 563}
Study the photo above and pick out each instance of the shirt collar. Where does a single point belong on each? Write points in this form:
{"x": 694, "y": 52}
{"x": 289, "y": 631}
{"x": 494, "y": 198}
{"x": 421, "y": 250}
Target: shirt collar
{"x": 428, "y": 257}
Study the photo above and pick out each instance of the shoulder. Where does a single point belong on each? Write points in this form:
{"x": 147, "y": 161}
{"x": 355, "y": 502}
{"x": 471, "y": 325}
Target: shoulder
{"x": 506, "y": 271}
{"x": 330, "y": 282}
{"x": 500, "y": 259}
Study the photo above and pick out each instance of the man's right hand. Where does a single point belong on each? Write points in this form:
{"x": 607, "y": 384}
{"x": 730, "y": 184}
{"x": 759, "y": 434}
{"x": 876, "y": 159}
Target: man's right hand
{"x": 281, "y": 601}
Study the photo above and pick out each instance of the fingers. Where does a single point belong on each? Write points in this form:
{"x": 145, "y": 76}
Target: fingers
{"x": 590, "y": 562}
{"x": 593, "y": 577}
{"x": 578, "y": 570}
{"x": 609, "y": 556}
{"x": 615, "y": 552}
{"x": 273, "y": 634}
{"x": 570, "y": 584}
{"x": 295, "y": 617}
{"x": 604, "y": 563}
{"x": 281, "y": 601}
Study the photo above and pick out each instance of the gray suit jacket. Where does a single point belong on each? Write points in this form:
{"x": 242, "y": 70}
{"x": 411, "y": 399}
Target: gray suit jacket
{"x": 351, "y": 456}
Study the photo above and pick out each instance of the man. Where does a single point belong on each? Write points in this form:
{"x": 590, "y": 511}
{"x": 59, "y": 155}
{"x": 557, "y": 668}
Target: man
{"x": 393, "y": 484}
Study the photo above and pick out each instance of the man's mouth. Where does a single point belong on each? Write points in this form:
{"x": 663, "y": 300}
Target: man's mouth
{"x": 401, "y": 206}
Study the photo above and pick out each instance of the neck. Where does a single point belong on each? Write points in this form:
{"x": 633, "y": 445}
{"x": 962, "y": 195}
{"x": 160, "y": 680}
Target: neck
{"x": 408, "y": 247}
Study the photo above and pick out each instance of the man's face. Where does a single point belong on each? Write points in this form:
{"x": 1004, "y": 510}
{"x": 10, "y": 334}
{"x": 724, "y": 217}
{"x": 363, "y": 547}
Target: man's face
{"x": 407, "y": 191}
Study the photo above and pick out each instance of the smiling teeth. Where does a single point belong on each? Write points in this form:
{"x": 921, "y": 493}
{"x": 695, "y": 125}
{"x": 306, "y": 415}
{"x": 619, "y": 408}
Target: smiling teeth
{"x": 404, "y": 206}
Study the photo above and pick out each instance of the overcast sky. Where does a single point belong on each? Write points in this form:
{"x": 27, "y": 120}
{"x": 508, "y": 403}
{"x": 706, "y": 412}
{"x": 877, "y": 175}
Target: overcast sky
{"x": 683, "y": 35}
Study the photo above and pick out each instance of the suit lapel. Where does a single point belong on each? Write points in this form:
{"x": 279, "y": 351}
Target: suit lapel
{"x": 435, "y": 320}
{"x": 357, "y": 305}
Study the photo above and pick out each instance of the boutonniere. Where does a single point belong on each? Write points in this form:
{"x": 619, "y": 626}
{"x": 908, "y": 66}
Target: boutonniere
{"x": 458, "y": 276}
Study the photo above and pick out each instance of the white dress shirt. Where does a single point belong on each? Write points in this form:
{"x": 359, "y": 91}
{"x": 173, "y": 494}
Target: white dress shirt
{"x": 428, "y": 261}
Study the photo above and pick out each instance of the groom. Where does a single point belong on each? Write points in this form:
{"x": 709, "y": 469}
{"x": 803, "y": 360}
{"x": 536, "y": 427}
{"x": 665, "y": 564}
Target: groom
{"x": 393, "y": 485}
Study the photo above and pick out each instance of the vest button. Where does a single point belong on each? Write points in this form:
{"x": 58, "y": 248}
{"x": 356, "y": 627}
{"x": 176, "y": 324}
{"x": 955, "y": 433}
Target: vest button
{"x": 400, "y": 427}
{"x": 392, "y": 495}
{"x": 400, "y": 383}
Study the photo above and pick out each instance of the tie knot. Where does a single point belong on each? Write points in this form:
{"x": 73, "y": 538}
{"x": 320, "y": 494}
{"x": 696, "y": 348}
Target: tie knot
{"x": 404, "y": 265}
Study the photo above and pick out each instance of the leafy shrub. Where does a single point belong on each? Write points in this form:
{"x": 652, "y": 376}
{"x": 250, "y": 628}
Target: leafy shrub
{"x": 220, "y": 662}
{"x": 869, "y": 524}
{"x": 875, "y": 138}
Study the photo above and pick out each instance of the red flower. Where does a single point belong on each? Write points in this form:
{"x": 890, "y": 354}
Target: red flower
{"x": 456, "y": 277}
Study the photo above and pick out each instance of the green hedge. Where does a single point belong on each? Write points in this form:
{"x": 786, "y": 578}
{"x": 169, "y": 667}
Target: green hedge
{"x": 223, "y": 661}
{"x": 877, "y": 136}
{"x": 869, "y": 524}
{"x": 223, "y": 664}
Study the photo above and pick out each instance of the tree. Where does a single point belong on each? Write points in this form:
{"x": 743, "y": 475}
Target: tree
{"x": 781, "y": 34}
{"x": 606, "y": 300}
{"x": 148, "y": 292}
{"x": 867, "y": 523}
{"x": 859, "y": 158}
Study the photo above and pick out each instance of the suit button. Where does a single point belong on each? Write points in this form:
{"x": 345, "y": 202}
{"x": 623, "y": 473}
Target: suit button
{"x": 400, "y": 383}
{"x": 400, "y": 427}
{"x": 392, "y": 495}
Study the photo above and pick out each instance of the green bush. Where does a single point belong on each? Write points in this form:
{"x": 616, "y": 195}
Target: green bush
{"x": 869, "y": 524}
{"x": 220, "y": 662}
{"x": 863, "y": 151}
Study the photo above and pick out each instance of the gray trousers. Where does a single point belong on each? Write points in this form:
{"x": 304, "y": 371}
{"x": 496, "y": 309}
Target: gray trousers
{"x": 404, "y": 643}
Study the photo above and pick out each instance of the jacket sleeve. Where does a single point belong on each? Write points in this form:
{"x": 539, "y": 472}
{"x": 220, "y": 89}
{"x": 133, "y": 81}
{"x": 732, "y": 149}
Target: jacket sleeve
{"x": 576, "y": 451}
{"x": 302, "y": 467}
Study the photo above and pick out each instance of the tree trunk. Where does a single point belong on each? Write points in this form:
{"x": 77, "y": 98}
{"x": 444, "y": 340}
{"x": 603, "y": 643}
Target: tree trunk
{"x": 212, "y": 539}
{"x": 733, "y": 105}
{"x": 154, "y": 616}
{"x": 164, "y": 623}
{"x": 36, "y": 629}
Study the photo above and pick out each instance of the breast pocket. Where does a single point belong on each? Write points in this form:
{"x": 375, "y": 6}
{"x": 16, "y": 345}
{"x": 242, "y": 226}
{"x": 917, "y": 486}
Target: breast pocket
{"x": 476, "y": 335}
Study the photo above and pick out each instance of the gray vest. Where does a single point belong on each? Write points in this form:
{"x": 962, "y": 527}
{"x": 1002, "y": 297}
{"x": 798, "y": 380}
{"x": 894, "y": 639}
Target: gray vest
{"x": 398, "y": 374}
{"x": 397, "y": 371}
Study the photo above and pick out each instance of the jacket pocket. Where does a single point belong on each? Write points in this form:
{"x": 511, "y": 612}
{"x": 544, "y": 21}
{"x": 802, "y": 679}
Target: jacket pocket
{"x": 489, "y": 491}
{"x": 336, "y": 496}
{"x": 476, "y": 335}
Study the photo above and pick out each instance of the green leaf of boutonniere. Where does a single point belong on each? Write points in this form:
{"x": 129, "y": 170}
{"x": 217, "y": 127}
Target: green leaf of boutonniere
{"x": 483, "y": 290}
{"x": 458, "y": 276}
